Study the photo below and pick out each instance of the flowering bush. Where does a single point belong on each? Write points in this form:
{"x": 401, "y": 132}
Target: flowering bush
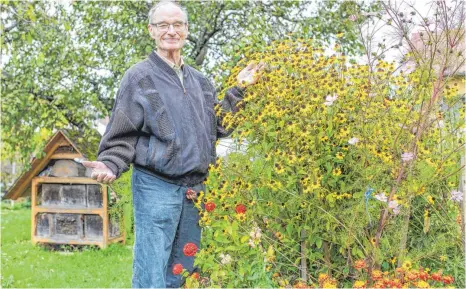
{"x": 330, "y": 148}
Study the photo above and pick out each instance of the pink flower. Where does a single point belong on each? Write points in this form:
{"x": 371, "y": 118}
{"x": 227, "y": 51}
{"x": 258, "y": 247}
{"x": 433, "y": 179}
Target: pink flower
{"x": 406, "y": 157}
{"x": 395, "y": 206}
{"x": 381, "y": 197}
{"x": 353, "y": 140}
{"x": 456, "y": 196}
{"x": 353, "y": 17}
{"x": 330, "y": 99}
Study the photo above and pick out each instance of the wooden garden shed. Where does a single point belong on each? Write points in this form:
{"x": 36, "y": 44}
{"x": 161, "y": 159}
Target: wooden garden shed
{"x": 67, "y": 206}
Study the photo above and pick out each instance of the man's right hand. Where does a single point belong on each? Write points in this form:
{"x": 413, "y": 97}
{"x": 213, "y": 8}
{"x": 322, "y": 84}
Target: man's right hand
{"x": 100, "y": 172}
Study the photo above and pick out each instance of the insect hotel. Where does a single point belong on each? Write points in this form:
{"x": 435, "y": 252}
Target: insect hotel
{"x": 67, "y": 206}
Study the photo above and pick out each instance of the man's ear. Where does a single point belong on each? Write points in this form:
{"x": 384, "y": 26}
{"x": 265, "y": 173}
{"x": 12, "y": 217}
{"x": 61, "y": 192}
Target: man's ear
{"x": 151, "y": 31}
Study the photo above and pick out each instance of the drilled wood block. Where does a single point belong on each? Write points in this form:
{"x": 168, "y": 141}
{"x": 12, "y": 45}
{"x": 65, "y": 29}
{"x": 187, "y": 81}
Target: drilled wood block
{"x": 73, "y": 195}
{"x": 68, "y": 226}
{"x": 50, "y": 194}
{"x": 44, "y": 220}
{"x": 94, "y": 196}
{"x": 93, "y": 227}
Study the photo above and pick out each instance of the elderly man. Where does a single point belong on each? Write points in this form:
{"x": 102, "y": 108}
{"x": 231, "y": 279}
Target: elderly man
{"x": 163, "y": 122}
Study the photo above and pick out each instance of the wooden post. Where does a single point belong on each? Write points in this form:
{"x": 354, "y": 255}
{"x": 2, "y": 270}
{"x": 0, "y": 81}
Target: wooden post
{"x": 105, "y": 218}
{"x": 33, "y": 209}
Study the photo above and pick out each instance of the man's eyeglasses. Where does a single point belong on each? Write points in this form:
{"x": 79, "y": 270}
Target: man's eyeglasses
{"x": 177, "y": 26}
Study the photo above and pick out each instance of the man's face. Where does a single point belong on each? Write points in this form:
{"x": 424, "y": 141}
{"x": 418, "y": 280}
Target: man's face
{"x": 169, "y": 40}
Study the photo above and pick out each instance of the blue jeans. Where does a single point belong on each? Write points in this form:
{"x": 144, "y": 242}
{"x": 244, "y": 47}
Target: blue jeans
{"x": 165, "y": 220}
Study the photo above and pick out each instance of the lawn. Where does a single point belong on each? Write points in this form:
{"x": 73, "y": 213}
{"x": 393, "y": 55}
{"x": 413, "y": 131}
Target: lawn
{"x": 26, "y": 266}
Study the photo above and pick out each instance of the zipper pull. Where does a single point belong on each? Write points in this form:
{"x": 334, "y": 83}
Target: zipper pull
{"x": 184, "y": 91}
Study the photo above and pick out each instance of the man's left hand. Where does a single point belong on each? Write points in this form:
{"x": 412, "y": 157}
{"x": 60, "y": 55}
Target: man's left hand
{"x": 250, "y": 75}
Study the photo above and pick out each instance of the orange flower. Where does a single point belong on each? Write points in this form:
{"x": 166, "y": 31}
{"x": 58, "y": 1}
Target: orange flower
{"x": 412, "y": 275}
{"x": 330, "y": 284}
{"x": 300, "y": 284}
{"x": 396, "y": 283}
{"x": 377, "y": 275}
{"x": 360, "y": 264}
{"x": 400, "y": 270}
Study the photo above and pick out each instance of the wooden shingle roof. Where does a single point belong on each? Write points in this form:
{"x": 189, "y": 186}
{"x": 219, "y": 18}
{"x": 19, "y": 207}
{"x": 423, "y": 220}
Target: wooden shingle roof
{"x": 77, "y": 147}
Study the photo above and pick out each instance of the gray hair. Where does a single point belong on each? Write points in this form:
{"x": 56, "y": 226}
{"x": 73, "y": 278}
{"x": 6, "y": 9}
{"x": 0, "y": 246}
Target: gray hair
{"x": 165, "y": 2}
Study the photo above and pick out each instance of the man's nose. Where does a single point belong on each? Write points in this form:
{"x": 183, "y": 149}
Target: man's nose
{"x": 171, "y": 29}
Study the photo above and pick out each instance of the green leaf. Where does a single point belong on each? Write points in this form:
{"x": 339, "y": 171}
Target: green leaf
{"x": 318, "y": 243}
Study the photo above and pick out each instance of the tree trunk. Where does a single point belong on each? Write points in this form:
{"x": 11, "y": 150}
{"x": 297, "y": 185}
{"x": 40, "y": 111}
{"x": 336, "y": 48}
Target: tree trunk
{"x": 303, "y": 266}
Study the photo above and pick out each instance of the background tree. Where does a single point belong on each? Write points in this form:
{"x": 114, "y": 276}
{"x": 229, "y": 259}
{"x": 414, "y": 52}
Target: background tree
{"x": 61, "y": 65}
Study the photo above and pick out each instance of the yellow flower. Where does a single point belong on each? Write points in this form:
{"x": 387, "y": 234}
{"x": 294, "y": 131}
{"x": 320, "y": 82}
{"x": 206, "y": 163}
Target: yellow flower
{"x": 430, "y": 200}
{"x": 407, "y": 265}
{"x": 336, "y": 172}
{"x": 279, "y": 169}
{"x": 340, "y": 155}
{"x": 240, "y": 217}
{"x": 359, "y": 284}
{"x": 422, "y": 284}
{"x": 329, "y": 284}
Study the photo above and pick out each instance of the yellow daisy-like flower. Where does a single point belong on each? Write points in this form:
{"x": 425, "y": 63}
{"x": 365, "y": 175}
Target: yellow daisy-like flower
{"x": 240, "y": 217}
{"x": 430, "y": 200}
{"x": 324, "y": 138}
{"x": 314, "y": 185}
{"x": 336, "y": 172}
{"x": 279, "y": 169}
{"x": 340, "y": 155}
{"x": 407, "y": 265}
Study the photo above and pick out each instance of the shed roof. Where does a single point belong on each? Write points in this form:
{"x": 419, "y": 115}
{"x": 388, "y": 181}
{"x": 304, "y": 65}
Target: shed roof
{"x": 83, "y": 149}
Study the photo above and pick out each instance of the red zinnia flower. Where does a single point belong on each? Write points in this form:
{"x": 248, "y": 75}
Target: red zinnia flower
{"x": 423, "y": 275}
{"x": 447, "y": 279}
{"x": 436, "y": 276}
{"x": 210, "y": 206}
{"x": 190, "y": 249}
{"x": 195, "y": 275}
{"x": 240, "y": 209}
{"x": 177, "y": 269}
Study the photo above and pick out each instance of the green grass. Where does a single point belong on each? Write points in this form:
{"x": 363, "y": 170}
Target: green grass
{"x": 27, "y": 266}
